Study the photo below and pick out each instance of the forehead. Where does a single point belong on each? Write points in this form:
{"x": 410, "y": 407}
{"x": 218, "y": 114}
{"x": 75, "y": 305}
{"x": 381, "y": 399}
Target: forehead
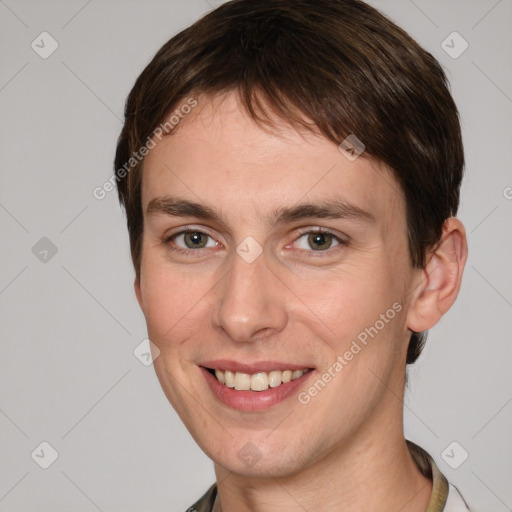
{"x": 220, "y": 156}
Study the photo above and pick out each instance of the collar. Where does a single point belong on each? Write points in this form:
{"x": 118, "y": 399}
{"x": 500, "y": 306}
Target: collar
{"x": 428, "y": 468}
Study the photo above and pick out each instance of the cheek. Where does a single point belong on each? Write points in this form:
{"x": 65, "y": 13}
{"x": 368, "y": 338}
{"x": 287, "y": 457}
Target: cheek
{"x": 173, "y": 302}
{"x": 364, "y": 332}
{"x": 353, "y": 300}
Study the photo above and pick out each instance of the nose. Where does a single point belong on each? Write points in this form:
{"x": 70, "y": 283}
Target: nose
{"x": 250, "y": 302}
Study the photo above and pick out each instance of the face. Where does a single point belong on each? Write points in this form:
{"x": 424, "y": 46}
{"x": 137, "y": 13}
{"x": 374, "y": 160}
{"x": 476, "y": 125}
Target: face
{"x": 275, "y": 281}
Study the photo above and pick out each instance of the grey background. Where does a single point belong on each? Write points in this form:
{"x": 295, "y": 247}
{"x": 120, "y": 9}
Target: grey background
{"x": 70, "y": 322}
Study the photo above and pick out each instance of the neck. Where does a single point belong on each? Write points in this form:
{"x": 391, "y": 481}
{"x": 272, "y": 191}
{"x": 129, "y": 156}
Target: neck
{"x": 372, "y": 471}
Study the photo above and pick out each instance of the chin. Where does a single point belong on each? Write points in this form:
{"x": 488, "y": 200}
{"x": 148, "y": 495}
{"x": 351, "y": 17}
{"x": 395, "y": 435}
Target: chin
{"x": 247, "y": 459}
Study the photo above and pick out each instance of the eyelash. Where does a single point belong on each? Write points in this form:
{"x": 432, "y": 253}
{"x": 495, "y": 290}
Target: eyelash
{"x": 311, "y": 253}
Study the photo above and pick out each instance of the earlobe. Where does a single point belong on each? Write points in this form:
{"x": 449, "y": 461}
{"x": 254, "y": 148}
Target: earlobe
{"x": 441, "y": 278}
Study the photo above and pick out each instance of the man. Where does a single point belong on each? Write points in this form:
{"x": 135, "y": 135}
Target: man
{"x": 290, "y": 171}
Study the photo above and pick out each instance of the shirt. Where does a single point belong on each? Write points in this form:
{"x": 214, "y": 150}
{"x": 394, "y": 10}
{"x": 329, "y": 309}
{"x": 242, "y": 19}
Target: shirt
{"x": 445, "y": 497}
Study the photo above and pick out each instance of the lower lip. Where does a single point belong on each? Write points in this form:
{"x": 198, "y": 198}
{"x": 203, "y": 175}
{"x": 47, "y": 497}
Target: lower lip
{"x": 253, "y": 400}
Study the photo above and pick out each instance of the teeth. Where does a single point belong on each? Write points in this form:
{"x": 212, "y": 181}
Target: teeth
{"x": 287, "y": 376}
{"x": 274, "y": 379}
{"x": 242, "y": 381}
{"x": 229, "y": 378}
{"x": 220, "y": 376}
{"x": 260, "y": 381}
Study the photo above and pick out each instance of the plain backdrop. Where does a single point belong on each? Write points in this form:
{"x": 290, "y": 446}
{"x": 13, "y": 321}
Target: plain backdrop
{"x": 69, "y": 319}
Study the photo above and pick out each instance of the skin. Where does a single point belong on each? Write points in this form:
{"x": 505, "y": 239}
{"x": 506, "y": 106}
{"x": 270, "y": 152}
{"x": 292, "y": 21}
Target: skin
{"x": 345, "y": 449}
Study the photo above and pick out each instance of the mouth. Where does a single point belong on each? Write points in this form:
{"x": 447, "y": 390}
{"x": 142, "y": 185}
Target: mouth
{"x": 259, "y": 381}
{"x": 254, "y": 387}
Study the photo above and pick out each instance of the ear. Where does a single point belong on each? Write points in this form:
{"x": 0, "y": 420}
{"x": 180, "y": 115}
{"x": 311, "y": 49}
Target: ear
{"x": 439, "y": 282}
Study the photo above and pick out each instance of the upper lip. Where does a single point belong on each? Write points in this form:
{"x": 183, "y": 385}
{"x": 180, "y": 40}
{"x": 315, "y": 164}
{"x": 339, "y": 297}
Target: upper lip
{"x": 256, "y": 367}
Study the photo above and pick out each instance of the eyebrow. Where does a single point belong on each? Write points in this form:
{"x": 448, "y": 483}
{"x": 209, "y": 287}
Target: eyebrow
{"x": 337, "y": 208}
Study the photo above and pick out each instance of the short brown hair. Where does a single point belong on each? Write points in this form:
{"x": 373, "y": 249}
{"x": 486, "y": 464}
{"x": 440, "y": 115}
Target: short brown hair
{"x": 341, "y": 64}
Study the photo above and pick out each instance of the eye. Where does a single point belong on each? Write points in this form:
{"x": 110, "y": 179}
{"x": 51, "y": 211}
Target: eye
{"x": 317, "y": 241}
{"x": 192, "y": 240}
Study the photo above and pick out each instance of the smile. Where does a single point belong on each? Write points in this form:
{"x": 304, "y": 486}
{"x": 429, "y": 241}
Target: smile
{"x": 260, "y": 381}
{"x": 254, "y": 387}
